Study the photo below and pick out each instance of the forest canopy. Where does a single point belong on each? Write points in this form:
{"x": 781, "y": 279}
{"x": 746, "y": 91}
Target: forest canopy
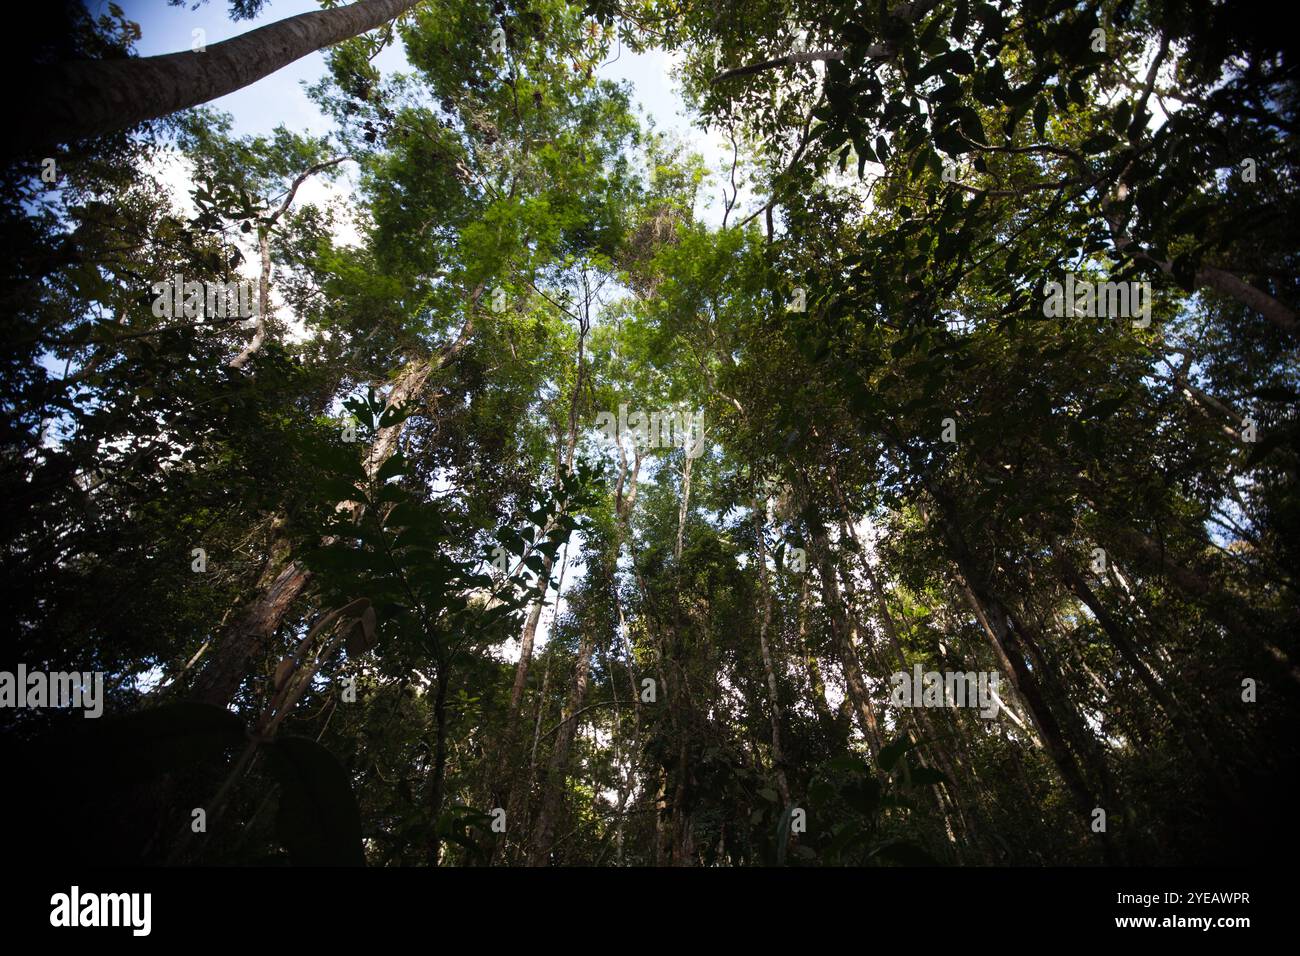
{"x": 492, "y": 478}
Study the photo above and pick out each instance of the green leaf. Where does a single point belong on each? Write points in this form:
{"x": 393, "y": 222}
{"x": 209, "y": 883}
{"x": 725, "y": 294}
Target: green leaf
{"x": 1123, "y": 116}
{"x": 364, "y": 634}
{"x": 971, "y": 125}
{"x": 960, "y": 21}
{"x": 905, "y": 854}
{"x": 395, "y": 466}
{"x": 991, "y": 19}
{"x": 396, "y": 414}
{"x": 849, "y": 765}
{"x": 1098, "y": 144}
{"x": 336, "y": 489}
{"x": 1040, "y": 117}
{"x": 927, "y": 777}
{"x": 863, "y": 795}
{"x": 1107, "y": 407}
{"x": 1275, "y": 393}
{"x": 846, "y": 838}
{"x": 1270, "y": 441}
{"x": 165, "y": 738}
{"x": 890, "y": 754}
{"x": 318, "y": 820}
{"x": 784, "y": 820}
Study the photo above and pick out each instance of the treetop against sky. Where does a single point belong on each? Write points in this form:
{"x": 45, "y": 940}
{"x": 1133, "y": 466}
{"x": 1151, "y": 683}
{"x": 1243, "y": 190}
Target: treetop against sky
{"x": 652, "y": 432}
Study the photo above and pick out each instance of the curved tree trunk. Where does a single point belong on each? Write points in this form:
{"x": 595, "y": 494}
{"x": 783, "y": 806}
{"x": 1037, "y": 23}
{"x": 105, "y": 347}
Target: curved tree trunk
{"x": 93, "y": 97}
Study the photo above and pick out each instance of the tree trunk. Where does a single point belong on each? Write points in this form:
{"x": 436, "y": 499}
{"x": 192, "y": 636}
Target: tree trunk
{"x": 252, "y": 629}
{"x": 1231, "y": 613}
{"x": 70, "y": 101}
{"x": 918, "y": 715}
{"x": 685, "y": 508}
{"x": 557, "y": 768}
{"x": 764, "y": 624}
{"x": 438, "y": 785}
{"x": 816, "y": 683}
{"x": 505, "y": 788}
{"x": 251, "y": 632}
{"x": 1175, "y": 714}
{"x": 994, "y": 619}
{"x": 855, "y": 683}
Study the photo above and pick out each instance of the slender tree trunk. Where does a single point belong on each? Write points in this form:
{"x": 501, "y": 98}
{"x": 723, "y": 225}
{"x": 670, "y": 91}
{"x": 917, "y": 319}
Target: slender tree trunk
{"x": 526, "y": 640}
{"x": 1177, "y": 718}
{"x": 505, "y": 786}
{"x": 816, "y": 683}
{"x": 1082, "y": 740}
{"x": 685, "y": 508}
{"x": 1232, "y": 613}
{"x": 661, "y": 813}
{"x": 264, "y": 251}
{"x": 557, "y": 769}
{"x": 995, "y": 620}
{"x": 438, "y": 785}
{"x": 683, "y": 821}
{"x": 263, "y": 301}
{"x": 552, "y": 784}
{"x": 855, "y": 683}
{"x": 918, "y": 715}
{"x": 764, "y": 625}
